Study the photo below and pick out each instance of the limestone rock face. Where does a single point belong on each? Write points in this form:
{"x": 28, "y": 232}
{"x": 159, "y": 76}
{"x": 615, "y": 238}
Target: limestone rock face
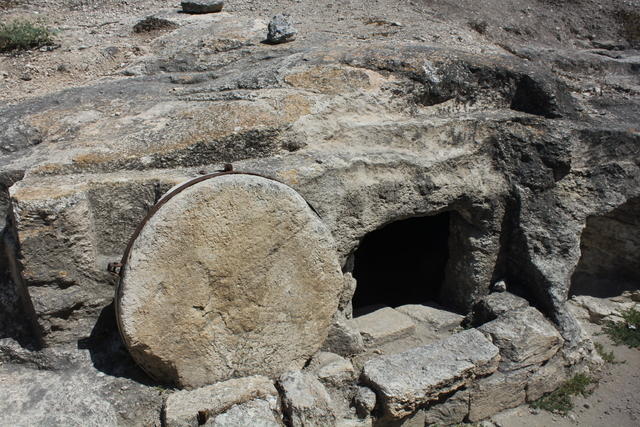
{"x": 407, "y": 380}
{"x": 383, "y": 326}
{"x": 546, "y": 379}
{"x": 492, "y": 306}
{"x": 255, "y": 413}
{"x": 451, "y": 411}
{"x": 524, "y": 337}
{"x": 344, "y": 339}
{"x": 188, "y": 408}
{"x": 233, "y": 276}
{"x": 42, "y": 398}
{"x": 306, "y": 402}
{"x": 496, "y": 393}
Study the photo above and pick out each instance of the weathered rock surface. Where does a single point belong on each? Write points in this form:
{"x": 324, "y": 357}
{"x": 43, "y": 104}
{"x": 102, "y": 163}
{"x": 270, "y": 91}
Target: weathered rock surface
{"x": 546, "y": 379}
{"x": 343, "y": 338}
{"x": 257, "y": 412}
{"x": 438, "y": 319}
{"x": 281, "y": 30}
{"x": 496, "y": 393}
{"x": 408, "y": 380}
{"x": 332, "y": 369}
{"x": 451, "y": 411}
{"x": 364, "y": 401}
{"x": 524, "y": 337}
{"x": 597, "y": 308}
{"x": 305, "y": 400}
{"x": 383, "y": 326}
{"x": 202, "y": 6}
{"x": 190, "y": 408}
{"x": 30, "y": 398}
{"x": 492, "y": 306}
{"x": 233, "y": 276}
{"x": 527, "y": 137}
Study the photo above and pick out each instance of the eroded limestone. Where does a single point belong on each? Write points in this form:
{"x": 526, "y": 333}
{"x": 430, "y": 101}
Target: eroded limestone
{"x": 233, "y": 276}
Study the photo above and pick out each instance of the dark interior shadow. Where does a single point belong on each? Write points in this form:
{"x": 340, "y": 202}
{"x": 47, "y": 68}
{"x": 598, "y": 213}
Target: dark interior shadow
{"x": 402, "y": 263}
{"x": 108, "y": 352}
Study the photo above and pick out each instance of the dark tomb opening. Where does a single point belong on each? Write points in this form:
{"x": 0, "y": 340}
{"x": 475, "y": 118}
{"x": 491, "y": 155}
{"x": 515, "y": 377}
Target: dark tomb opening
{"x": 610, "y": 247}
{"x": 402, "y": 263}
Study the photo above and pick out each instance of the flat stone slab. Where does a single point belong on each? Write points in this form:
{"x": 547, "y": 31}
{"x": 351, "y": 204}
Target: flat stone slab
{"x": 408, "y": 380}
{"x": 438, "y": 319}
{"x": 187, "y": 408}
{"x": 233, "y": 276}
{"x": 202, "y": 6}
{"x": 383, "y": 326}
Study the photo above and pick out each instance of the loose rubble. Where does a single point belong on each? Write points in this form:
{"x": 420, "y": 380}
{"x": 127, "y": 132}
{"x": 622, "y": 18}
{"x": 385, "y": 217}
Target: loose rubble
{"x": 281, "y": 30}
{"x": 202, "y": 6}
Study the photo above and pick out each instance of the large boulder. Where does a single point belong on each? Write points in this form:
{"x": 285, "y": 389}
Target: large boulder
{"x": 232, "y": 276}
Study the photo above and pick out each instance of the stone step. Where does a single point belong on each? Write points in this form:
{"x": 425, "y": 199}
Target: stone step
{"x": 405, "y": 381}
{"x": 383, "y": 326}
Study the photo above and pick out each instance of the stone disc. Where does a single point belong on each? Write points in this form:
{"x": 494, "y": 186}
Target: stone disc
{"x": 232, "y": 276}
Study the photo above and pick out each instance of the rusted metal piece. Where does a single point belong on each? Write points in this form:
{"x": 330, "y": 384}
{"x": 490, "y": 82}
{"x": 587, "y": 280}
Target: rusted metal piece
{"x": 114, "y": 267}
{"x": 121, "y": 265}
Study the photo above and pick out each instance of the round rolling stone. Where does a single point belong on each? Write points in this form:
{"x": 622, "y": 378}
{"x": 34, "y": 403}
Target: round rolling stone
{"x": 233, "y": 276}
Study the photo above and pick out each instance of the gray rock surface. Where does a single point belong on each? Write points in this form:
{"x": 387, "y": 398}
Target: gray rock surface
{"x": 190, "y": 408}
{"x": 408, "y": 380}
{"x": 202, "y": 6}
{"x": 496, "y": 393}
{"x": 383, "y": 326}
{"x": 492, "y": 306}
{"x": 41, "y": 398}
{"x": 452, "y": 411}
{"x": 257, "y": 413}
{"x": 305, "y": 400}
{"x": 281, "y": 29}
{"x": 343, "y": 338}
{"x": 546, "y": 379}
{"x": 332, "y": 369}
{"x": 527, "y": 137}
{"x": 233, "y": 276}
{"x": 364, "y": 401}
{"x": 438, "y": 319}
{"x": 524, "y": 337}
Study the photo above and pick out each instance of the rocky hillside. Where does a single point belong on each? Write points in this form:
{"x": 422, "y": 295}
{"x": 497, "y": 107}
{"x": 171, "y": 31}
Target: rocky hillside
{"x": 517, "y": 120}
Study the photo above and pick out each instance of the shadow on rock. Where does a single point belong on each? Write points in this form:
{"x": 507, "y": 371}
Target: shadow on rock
{"x": 108, "y": 352}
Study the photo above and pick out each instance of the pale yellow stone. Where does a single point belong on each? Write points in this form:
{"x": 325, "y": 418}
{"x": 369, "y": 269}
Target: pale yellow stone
{"x": 233, "y": 276}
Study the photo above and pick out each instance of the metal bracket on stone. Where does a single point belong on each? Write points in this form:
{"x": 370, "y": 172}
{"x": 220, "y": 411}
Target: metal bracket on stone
{"x": 114, "y": 267}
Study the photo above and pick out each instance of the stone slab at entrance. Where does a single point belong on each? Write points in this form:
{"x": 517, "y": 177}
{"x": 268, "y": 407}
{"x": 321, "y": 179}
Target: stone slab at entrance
{"x": 232, "y": 276}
